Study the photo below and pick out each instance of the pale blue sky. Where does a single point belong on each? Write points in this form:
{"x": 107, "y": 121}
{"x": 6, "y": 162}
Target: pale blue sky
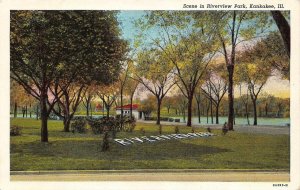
{"x": 127, "y": 19}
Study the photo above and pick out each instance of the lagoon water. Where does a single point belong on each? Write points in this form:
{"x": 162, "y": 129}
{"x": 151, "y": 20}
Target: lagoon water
{"x": 242, "y": 121}
{"x": 222, "y": 120}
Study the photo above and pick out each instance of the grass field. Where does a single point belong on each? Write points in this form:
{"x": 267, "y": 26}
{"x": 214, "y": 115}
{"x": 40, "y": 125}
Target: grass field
{"x": 68, "y": 151}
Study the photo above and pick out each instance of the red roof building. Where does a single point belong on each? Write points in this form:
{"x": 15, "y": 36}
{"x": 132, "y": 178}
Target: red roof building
{"x": 127, "y": 107}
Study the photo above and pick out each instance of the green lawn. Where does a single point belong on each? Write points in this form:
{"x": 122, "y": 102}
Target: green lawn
{"x": 68, "y": 151}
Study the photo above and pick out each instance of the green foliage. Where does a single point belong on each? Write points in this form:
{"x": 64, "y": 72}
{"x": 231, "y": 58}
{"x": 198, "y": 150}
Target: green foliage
{"x": 176, "y": 129}
{"x": 128, "y": 123}
{"x": 160, "y": 129}
{"x": 15, "y": 130}
{"x": 103, "y": 124}
{"x": 112, "y": 124}
{"x": 50, "y": 50}
{"x": 148, "y": 105}
{"x": 79, "y": 125}
{"x": 143, "y": 131}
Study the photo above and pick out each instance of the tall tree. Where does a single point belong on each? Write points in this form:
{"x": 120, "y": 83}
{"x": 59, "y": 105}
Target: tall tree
{"x": 68, "y": 102}
{"x": 189, "y": 46}
{"x": 88, "y": 97}
{"x": 284, "y": 29}
{"x": 215, "y": 88}
{"x": 130, "y": 90}
{"x": 154, "y": 71}
{"x": 255, "y": 70}
{"x": 108, "y": 95}
{"x": 234, "y": 28}
{"x": 49, "y": 46}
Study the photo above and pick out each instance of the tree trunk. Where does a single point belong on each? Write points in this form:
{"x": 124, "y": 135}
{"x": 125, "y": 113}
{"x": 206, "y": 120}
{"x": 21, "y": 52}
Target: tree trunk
{"x": 37, "y": 112}
{"x": 67, "y": 121}
{"x": 122, "y": 111}
{"x": 199, "y": 114}
{"x": 190, "y": 102}
{"x": 91, "y": 110}
{"x": 16, "y": 110}
{"x": 207, "y": 109}
{"x": 131, "y": 107}
{"x": 247, "y": 113}
{"x": 44, "y": 117}
{"x": 30, "y": 110}
{"x": 284, "y": 29}
{"x": 26, "y": 111}
{"x": 254, "y": 111}
{"x": 211, "y": 112}
{"x": 158, "y": 111}
{"x": 230, "y": 69}
{"x": 87, "y": 108}
{"x": 23, "y": 111}
{"x": 217, "y": 114}
{"x": 107, "y": 111}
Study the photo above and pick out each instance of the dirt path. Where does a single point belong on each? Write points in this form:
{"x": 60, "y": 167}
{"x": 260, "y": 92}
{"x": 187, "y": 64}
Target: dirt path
{"x": 261, "y": 129}
{"x": 161, "y": 176}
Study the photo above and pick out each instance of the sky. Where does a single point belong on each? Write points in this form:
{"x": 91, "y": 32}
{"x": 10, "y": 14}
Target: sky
{"x": 275, "y": 84}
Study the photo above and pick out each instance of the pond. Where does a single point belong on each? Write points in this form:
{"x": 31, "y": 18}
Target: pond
{"x": 241, "y": 121}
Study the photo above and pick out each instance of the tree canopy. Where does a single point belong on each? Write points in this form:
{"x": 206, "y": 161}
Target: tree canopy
{"x": 48, "y": 47}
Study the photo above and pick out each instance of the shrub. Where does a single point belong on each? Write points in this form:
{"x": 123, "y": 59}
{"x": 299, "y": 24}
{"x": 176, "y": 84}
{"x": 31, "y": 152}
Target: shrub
{"x": 176, "y": 130}
{"x": 79, "y": 125}
{"x": 129, "y": 124}
{"x": 142, "y": 130}
{"x": 15, "y": 130}
{"x": 193, "y": 130}
{"x": 126, "y": 124}
{"x": 103, "y": 124}
{"x": 105, "y": 142}
{"x": 160, "y": 129}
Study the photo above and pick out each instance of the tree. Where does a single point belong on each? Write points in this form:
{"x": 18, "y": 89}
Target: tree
{"x": 155, "y": 73}
{"x": 88, "y": 97}
{"x": 108, "y": 95}
{"x": 122, "y": 81}
{"x": 275, "y": 53}
{"x": 255, "y": 71}
{"x": 284, "y": 29}
{"x": 245, "y": 100}
{"x": 215, "y": 86}
{"x": 234, "y": 28}
{"x": 148, "y": 105}
{"x": 68, "y": 102}
{"x": 130, "y": 89}
{"x": 47, "y": 47}
{"x": 182, "y": 104}
{"x": 189, "y": 46}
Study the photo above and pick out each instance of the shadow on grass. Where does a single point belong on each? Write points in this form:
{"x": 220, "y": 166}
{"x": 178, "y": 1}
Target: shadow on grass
{"x": 91, "y": 149}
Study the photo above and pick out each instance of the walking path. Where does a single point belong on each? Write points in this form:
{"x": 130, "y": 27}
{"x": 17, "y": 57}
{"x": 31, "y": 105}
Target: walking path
{"x": 159, "y": 175}
{"x": 261, "y": 129}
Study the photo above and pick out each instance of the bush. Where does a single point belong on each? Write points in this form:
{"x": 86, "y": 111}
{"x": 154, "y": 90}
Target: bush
{"x": 193, "y": 130}
{"x": 176, "y": 129}
{"x": 105, "y": 142}
{"x": 15, "y": 130}
{"x": 79, "y": 125}
{"x": 100, "y": 125}
{"x": 142, "y": 130}
{"x": 128, "y": 124}
{"x": 160, "y": 129}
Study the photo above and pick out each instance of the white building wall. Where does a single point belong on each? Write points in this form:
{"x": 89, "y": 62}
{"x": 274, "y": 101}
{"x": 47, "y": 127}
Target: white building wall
{"x": 135, "y": 113}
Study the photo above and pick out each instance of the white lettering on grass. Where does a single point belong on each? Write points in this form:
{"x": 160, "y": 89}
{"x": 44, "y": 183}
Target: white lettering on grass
{"x": 122, "y": 142}
{"x": 137, "y": 139}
